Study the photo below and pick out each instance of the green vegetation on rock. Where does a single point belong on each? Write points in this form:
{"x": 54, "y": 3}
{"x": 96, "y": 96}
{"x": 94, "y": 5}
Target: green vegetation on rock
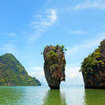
{"x": 12, "y": 73}
{"x": 54, "y": 65}
{"x": 93, "y": 60}
{"x": 93, "y": 68}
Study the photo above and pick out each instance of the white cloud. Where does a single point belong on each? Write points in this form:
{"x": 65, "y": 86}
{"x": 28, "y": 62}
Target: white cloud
{"x": 73, "y": 76}
{"x": 52, "y": 17}
{"x": 8, "y": 48}
{"x": 88, "y": 4}
{"x": 37, "y": 72}
{"x": 86, "y": 45}
{"x": 11, "y": 34}
{"x": 77, "y": 32}
{"x": 99, "y": 4}
{"x": 72, "y": 50}
{"x": 42, "y": 22}
{"x": 37, "y": 68}
{"x": 73, "y": 72}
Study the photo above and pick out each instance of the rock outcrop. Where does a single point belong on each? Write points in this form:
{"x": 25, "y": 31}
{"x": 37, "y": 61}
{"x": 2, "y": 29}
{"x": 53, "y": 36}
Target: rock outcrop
{"x": 12, "y": 73}
{"x": 54, "y": 65}
{"x": 93, "y": 68}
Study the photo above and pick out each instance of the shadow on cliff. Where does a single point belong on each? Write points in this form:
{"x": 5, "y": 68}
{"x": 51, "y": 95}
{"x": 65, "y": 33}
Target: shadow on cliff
{"x": 54, "y": 97}
{"x": 94, "y": 97}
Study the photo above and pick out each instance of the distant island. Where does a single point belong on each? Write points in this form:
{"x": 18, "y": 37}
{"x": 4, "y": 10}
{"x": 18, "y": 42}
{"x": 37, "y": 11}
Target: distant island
{"x": 93, "y": 68}
{"x": 12, "y": 73}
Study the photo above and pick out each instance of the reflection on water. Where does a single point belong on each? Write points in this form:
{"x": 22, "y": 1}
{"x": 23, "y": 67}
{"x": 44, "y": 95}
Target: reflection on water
{"x": 94, "y": 97}
{"x": 10, "y": 95}
{"x": 68, "y": 95}
{"x": 54, "y": 97}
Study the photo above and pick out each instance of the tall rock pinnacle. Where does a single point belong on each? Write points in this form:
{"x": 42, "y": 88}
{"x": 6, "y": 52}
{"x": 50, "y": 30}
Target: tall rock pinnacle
{"x": 54, "y": 65}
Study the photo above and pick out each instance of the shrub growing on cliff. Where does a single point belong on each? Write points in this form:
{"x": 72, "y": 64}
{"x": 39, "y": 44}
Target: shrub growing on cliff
{"x": 93, "y": 68}
{"x": 13, "y": 73}
{"x": 94, "y": 62}
{"x": 52, "y": 54}
{"x": 54, "y": 65}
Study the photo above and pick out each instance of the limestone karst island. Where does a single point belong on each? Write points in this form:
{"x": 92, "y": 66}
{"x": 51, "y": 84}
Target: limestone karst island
{"x": 54, "y": 65}
{"x": 12, "y": 73}
{"x": 93, "y": 68}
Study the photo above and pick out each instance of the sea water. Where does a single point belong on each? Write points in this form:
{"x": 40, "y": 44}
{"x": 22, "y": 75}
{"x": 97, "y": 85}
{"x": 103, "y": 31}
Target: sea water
{"x": 42, "y": 95}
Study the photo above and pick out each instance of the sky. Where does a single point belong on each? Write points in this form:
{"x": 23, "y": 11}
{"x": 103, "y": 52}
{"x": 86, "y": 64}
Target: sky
{"x": 27, "y": 26}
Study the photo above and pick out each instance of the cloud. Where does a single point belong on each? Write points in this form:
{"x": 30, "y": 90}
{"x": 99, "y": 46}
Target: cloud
{"x": 73, "y": 76}
{"x": 77, "y": 32}
{"x": 11, "y": 34}
{"x": 42, "y": 22}
{"x": 37, "y": 68}
{"x": 99, "y": 4}
{"x": 88, "y": 4}
{"x": 8, "y": 48}
{"x": 37, "y": 72}
{"x": 52, "y": 17}
{"x": 73, "y": 72}
{"x": 86, "y": 45}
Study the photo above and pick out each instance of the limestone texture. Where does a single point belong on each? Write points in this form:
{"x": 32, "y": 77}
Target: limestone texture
{"x": 54, "y": 65}
{"x": 12, "y": 73}
{"x": 93, "y": 68}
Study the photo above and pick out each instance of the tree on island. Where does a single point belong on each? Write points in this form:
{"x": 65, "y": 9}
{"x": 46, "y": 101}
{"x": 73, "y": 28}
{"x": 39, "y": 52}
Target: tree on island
{"x": 93, "y": 68}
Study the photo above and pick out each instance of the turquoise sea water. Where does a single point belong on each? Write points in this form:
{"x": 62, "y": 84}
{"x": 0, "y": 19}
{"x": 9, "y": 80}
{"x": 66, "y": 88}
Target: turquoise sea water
{"x": 67, "y": 95}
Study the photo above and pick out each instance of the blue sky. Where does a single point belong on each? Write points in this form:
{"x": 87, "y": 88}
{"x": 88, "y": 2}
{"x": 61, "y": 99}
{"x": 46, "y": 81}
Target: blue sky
{"x": 27, "y": 26}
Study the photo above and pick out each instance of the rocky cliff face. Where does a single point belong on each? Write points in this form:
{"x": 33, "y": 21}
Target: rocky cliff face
{"x": 54, "y": 65}
{"x": 12, "y": 73}
{"x": 93, "y": 68}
